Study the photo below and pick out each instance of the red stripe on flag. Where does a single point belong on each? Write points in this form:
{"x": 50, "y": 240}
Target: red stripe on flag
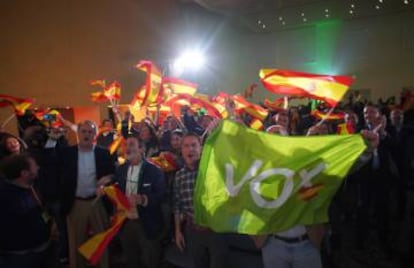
{"x": 96, "y": 255}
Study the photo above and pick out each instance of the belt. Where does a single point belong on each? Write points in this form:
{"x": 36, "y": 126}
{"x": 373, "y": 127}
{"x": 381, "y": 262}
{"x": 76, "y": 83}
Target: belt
{"x": 292, "y": 239}
{"x": 37, "y": 249}
{"x": 85, "y": 198}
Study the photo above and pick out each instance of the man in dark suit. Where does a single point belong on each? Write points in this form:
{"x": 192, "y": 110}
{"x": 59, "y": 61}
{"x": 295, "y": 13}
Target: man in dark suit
{"x": 144, "y": 185}
{"x": 84, "y": 169}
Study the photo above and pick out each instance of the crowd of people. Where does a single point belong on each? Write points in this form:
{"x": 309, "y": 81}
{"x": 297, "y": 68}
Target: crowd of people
{"x": 45, "y": 183}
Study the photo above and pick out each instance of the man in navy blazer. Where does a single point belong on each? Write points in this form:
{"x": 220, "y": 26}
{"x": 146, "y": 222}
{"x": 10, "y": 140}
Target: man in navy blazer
{"x": 144, "y": 186}
{"x": 69, "y": 169}
{"x": 84, "y": 168}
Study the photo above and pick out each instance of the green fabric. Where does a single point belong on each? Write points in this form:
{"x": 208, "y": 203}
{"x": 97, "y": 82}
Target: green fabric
{"x": 266, "y": 202}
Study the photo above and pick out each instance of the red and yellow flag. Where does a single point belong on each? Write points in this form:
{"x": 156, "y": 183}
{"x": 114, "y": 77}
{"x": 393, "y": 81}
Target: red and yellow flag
{"x": 153, "y": 90}
{"x": 254, "y": 110}
{"x": 135, "y": 105}
{"x": 115, "y": 144}
{"x": 98, "y": 82}
{"x": 326, "y": 116}
{"x": 345, "y": 128}
{"x": 113, "y": 91}
{"x": 276, "y": 105}
{"x": 93, "y": 249}
{"x": 195, "y": 103}
{"x": 173, "y": 85}
{"x": 109, "y": 93}
{"x": 20, "y": 105}
{"x": 166, "y": 161}
{"x": 329, "y": 88}
{"x": 256, "y": 124}
{"x": 49, "y": 117}
{"x": 98, "y": 96}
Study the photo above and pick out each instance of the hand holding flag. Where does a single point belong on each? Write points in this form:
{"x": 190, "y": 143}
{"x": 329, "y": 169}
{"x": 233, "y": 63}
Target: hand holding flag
{"x": 93, "y": 249}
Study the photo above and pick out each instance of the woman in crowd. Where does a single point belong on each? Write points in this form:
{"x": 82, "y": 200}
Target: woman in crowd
{"x": 148, "y": 135}
{"x": 10, "y": 144}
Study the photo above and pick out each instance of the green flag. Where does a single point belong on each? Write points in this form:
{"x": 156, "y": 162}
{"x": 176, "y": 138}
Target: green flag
{"x": 253, "y": 182}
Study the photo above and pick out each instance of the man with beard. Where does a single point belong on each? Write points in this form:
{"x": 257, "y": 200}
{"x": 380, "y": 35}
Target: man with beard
{"x": 24, "y": 227}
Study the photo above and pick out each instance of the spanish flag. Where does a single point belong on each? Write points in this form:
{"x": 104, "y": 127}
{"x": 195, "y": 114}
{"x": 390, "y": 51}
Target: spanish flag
{"x": 345, "y": 128}
{"x": 49, "y": 117}
{"x": 98, "y": 82}
{"x": 276, "y": 105}
{"x": 325, "y": 116}
{"x": 241, "y": 104}
{"x": 166, "y": 161}
{"x": 113, "y": 91}
{"x": 20, "y": 105}
{"x": 135, "y": 105}
{"x": 98, "y": 96}
{"x": 93, "y": 248}
{"x": 153, "y": 89}
{"x": 256, "y": 124}
{"x": 195, "y": 102}
{"x": 115, "y": 144}
{"x": 173, "y": 85}
{"x": 253, "y": 110}
{"x": 329, "y": 88}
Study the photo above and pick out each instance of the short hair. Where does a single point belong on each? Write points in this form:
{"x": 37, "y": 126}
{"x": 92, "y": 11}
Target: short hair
{"x": 141, "y": 143}
{"x": 370, "y": 104}
{"x": 89, "y": 123}
{"x": 192, "y": 134}
{"x": 107, "y": 120}
{"x": 178, "y": 132}
{"x": 12, "y": 166}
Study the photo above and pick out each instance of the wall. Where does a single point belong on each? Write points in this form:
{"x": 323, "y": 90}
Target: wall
{"x": 51, "y": 49}
{"x": 378, "y": 51}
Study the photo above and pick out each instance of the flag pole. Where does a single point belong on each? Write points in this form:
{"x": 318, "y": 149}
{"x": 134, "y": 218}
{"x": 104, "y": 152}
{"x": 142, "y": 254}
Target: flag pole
{"x": 8, "y": 120}
{"x": 157, "y": 115}
{"x": 326, "y": 116}
{"x": 286, "y": 102}
{"x": 180, "y": 122}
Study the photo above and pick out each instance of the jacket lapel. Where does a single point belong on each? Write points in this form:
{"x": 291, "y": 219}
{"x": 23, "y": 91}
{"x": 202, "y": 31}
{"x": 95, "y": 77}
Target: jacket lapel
{"x": 123, "y": 177}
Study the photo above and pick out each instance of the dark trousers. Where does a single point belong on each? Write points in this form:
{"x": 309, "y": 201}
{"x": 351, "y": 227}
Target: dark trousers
{"x": 207, "y": 249}
{"x": 29, "y": 260}
{"x": 139, "y": 251}
{"x": 61, "y": 224}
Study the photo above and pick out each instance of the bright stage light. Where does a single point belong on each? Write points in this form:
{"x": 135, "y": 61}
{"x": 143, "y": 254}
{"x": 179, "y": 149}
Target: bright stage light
{"x": 190, "y": 60}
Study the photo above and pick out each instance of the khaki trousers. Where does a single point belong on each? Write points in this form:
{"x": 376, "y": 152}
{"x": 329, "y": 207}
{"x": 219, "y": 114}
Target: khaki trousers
{"x": 85, "y": 214}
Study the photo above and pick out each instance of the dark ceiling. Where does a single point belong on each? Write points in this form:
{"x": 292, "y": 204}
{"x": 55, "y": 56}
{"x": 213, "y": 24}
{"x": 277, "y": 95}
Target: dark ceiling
{"x": 275, "y": 15}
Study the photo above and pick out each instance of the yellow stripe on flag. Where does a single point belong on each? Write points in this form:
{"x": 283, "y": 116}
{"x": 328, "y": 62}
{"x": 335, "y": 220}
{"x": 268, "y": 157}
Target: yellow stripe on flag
{"x": 93, "y": 249}
{"x": 326, "y": 87}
